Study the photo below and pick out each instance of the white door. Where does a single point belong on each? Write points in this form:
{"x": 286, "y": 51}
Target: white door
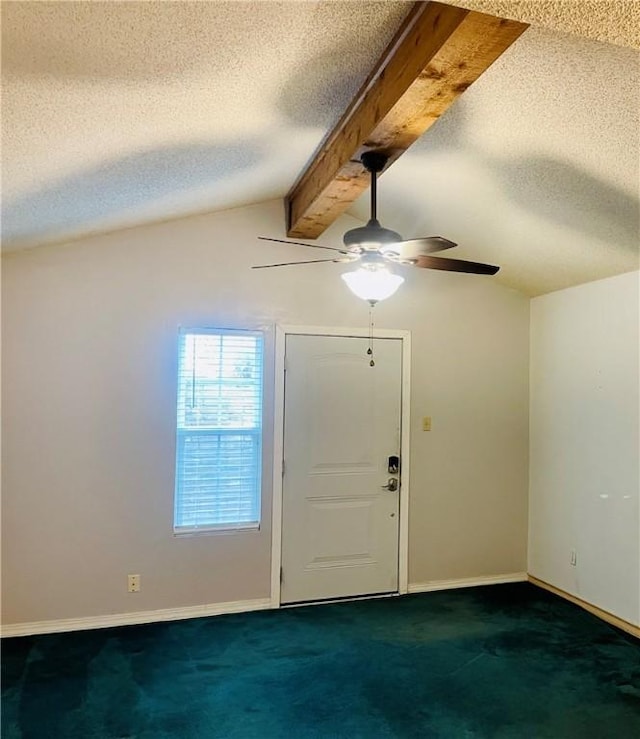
{"x": 341, "y": 427}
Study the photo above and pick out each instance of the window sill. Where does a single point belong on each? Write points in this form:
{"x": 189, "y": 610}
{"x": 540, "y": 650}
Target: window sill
{"x": 213, "y": 530}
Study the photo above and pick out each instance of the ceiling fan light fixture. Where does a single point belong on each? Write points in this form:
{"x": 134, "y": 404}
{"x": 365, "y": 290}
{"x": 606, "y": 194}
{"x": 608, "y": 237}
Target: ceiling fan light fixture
{"x": 392, "y": 249}
{"x": 372, "y": 283}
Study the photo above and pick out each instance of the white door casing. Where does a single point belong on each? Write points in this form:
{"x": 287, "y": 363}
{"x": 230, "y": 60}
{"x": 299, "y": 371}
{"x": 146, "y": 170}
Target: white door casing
{"x": 339, "y": 533}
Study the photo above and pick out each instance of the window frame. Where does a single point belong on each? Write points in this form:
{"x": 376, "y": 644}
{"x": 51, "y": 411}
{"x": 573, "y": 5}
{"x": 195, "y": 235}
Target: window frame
{"x": 257, "y": 432}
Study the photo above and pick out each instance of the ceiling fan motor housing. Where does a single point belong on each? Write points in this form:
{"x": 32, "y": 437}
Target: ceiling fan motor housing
{"x": 371, "y": 236}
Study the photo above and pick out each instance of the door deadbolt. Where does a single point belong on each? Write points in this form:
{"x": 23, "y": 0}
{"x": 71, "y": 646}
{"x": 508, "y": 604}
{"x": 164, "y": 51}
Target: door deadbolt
{"x": 392, "y": 485}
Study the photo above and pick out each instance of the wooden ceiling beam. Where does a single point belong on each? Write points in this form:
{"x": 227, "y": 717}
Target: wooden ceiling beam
{"x": 438, "y": 52}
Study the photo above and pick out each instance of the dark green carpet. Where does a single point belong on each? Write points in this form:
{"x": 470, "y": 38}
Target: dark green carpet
{"x": 508, "y": 661}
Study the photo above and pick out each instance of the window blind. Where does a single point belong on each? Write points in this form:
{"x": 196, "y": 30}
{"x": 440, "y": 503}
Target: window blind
{"x": 219, "y": 429}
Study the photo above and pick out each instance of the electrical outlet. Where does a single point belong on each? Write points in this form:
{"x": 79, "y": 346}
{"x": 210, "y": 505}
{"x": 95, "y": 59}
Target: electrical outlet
{"x": 574, "y": 558}
{"x": 133, "y": 583}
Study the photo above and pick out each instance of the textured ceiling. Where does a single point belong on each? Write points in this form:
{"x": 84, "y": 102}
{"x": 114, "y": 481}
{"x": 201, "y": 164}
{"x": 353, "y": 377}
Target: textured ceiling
{"x": 116, "y": 114}
{"x": 613, "y": 21}
{"x": 119, "y": 113}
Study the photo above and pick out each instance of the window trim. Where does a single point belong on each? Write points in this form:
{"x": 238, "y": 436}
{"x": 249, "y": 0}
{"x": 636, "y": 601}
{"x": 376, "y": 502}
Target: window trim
{"x": 223, "y": 528}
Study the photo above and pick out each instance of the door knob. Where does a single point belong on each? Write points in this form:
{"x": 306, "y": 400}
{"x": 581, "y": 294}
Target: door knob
{"x": 392, "y": 485}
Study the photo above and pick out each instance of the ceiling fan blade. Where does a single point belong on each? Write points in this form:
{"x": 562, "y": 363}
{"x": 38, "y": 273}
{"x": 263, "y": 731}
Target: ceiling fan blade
{"x": 300, "y": 243}
{"x": 288, "y": 264}
{"x": 456, "y": 265}
{"x": 427, "y": 245}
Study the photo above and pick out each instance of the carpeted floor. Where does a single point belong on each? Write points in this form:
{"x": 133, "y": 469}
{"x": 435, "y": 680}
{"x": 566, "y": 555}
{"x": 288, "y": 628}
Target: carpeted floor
{"x": 503, "y": 662}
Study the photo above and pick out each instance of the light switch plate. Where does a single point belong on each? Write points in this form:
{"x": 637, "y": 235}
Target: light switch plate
{"x": 426, "y": 423}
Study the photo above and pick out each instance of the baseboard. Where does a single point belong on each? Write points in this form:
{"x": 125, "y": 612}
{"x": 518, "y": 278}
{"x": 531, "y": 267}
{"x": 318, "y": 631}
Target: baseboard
{"x": 616, "y": 621}
{"x": 466, "y": 582}
{"x": 137, "y": 617}
{"x": 259, "y": 604}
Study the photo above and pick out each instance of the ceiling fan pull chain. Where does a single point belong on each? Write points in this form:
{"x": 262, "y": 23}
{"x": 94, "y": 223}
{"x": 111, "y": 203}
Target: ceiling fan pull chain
{"x": 370, "y": 349}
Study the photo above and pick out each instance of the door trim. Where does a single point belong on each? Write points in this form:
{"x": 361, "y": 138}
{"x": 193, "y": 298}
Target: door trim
{"x": 281, "y": 333}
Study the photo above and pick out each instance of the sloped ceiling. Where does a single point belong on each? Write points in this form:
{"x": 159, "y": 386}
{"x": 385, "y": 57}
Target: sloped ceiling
{"x": 117, "y": 114}
{"x": 121, "y": 113}
{"x": 612, "y": 21}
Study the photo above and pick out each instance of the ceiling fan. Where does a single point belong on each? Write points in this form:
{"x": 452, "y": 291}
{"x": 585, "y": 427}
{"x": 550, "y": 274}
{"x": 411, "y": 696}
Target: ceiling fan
{"x": 376, "y": 247}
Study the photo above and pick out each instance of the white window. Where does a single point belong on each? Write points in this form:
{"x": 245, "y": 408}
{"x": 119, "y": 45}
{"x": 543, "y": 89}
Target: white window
{"x": 219, "y": 430}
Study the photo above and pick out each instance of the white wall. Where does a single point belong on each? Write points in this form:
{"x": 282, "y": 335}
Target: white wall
{"x": 585, "y": 447}
{"x": 88, "y": 383}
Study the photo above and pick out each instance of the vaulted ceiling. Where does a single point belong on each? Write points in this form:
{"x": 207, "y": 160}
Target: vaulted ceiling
{"x": 117, "y": 114}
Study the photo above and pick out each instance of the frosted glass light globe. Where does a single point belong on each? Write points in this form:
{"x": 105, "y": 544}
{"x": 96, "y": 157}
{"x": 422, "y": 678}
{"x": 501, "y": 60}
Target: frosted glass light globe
{"x": 372, "y": 284}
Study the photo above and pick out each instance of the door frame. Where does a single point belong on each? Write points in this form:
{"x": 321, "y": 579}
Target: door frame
{"x": 281, "y": 333}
